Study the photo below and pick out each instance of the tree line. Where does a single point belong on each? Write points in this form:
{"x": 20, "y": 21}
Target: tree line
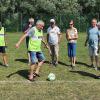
{"x": 19, "y": 11}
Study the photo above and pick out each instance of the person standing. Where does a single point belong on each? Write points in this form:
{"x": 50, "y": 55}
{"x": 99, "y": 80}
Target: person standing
{"x": 37, "y": 57}
{"x": 3, "y": 45}
{"x": 92, "y": 41}
{"x": 26, "y": 29}
{"x": 72, "y": 36}
{"x": 53, "y": 39}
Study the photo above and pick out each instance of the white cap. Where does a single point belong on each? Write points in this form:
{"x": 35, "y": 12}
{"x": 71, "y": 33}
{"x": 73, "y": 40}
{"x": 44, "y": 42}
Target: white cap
{"x": 98, "y": 23}
{"x": 52, "y": 20}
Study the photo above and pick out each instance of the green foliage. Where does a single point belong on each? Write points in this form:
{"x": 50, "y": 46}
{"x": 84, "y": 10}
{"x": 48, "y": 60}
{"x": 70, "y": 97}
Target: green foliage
{"x": 45, "y": 9}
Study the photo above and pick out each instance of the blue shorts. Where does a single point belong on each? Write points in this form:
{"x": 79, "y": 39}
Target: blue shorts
{"x": 71, "y": 49}
{"x": 36, "y": 57}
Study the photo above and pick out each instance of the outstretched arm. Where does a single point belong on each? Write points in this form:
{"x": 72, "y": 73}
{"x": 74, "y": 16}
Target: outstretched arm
{"x": 20, "y": 40}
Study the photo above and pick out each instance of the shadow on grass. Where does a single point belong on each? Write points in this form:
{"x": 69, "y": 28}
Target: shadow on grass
{"x": 22, "y": 73}
{"x": 61, "y": 63}
{"x": 47, "y": 62}
{"x": 85, "y": 74}
{"x": 22, "y": 60}
{"x": 64, "y": 64}
{"x": 84, "y": 64}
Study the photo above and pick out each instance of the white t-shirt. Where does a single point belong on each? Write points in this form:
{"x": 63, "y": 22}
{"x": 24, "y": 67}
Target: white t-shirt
{"x": 53, "y": 35}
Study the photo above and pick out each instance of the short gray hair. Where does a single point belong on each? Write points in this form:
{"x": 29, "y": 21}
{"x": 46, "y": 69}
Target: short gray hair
{"x": 39, "y": 22}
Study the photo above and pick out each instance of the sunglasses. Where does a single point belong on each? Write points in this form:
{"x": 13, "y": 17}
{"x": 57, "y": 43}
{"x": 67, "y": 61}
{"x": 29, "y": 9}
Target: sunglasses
{"x": 70, "y": 24}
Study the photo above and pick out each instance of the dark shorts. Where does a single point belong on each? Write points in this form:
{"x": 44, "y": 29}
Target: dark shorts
{"x": 71, "y": 49}
{"x": 36, "y": 57}
{"x": 2, "y": 49}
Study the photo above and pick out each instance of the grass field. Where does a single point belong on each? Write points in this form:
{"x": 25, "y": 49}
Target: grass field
{"x": 81, "y": 84}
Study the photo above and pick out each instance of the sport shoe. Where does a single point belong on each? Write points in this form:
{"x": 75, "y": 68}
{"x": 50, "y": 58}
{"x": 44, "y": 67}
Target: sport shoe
{"x": 56, "y": 63}
{"x": 6, "y": 65}
{"x": 96, "y": 68}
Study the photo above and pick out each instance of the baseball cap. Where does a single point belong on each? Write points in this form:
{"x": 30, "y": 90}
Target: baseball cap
{"x": 52, "y": 20}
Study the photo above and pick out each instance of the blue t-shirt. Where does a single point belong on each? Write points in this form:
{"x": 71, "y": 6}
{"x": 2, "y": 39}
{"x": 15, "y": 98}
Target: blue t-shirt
{"x": 93, "y": 34}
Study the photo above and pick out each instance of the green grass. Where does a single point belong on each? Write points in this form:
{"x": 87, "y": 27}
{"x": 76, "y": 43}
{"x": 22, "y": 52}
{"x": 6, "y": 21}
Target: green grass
{"x": 76, "y": 85}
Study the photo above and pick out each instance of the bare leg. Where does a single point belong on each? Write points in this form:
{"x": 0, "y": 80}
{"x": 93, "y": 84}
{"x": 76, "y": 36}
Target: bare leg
{"x": 38, "y": 67}
{"x": 74, "y": 61}
{"x": 32, "y": 68}
{"x": 4, "y": 56}
{"x": 97, "y": 61}
{"x": 92, "y": 60}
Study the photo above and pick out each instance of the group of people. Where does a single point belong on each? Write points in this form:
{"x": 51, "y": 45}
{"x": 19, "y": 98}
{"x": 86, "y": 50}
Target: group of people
{"x": 34, "y": 37}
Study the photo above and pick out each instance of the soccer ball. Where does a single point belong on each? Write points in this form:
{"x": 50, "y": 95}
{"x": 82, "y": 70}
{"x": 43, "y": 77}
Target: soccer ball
{"x": 51, "y": 77}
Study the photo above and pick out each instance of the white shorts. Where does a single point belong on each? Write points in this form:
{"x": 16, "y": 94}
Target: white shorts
{"x": 93, "y": 51}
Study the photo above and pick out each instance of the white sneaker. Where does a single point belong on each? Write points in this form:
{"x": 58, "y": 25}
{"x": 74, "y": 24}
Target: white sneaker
{"x": 6, "y": 65}
{"x": 96, "y": 68}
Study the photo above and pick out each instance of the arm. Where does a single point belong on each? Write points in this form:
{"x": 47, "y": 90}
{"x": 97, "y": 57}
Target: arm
{"x": 20, "y": 40}
{"x": 43, "y": 41}
{"x": 87, "y": 38}
{"x": 68, "y": 36}
{"x": 59, "y": 37}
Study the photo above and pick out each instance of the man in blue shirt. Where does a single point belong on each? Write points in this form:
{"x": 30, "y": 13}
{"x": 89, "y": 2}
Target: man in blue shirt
{"x": 92, "y": 40}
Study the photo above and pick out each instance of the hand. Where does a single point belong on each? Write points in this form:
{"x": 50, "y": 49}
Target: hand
{"x": 47, "y": 46}
{"x": 17, "y": 45}
{"x": 30, "y": 26}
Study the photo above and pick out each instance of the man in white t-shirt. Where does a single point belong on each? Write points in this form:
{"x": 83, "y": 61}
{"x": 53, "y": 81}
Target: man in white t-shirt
{"x": 53, "y": 39}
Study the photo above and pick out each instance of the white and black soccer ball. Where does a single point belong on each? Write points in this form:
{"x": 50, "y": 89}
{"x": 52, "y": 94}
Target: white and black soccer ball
{"x": 51, "y": 77}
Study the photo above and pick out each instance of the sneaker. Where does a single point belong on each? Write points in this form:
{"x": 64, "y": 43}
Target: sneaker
{"x": 52, "y": 63}
{"x": 72, "y": 67}
{"x": 92, "y": 65}
{"x": 56, "y": 63}
{"x": 6, "y": 65}
{"x": 96, "y": 68}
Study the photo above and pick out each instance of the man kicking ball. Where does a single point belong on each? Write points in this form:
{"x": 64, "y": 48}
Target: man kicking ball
{"x": 37, "y": 58}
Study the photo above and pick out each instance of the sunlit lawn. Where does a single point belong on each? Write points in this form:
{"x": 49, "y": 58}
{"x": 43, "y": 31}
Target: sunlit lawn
{"x": 80, "y": 84}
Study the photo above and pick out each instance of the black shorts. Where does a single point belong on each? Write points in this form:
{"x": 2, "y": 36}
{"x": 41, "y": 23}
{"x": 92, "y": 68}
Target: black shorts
{"x": 2, "y": 49}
